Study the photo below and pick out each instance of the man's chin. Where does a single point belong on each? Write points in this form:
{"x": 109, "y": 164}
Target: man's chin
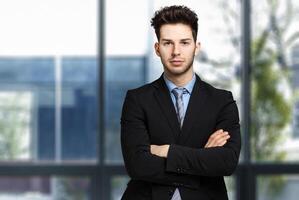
{"x": 177, "y": 72}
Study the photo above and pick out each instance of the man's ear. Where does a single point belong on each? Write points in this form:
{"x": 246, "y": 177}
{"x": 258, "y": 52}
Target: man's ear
{"x": 197, "y": 48}
{"x": 157, "y": 49}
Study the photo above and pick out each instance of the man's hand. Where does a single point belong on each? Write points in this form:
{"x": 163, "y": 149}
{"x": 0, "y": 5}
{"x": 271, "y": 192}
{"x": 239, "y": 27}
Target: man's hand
{"x": 160, "y": 150}
{"x": 217, "y": 139}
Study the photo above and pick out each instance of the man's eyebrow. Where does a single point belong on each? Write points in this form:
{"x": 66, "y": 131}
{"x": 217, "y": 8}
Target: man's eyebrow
{"x": 186, "y": 39}
{"x": 168, "y": 40}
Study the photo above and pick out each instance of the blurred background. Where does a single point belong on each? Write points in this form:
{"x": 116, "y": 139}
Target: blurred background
{"x": 65, "y": 67}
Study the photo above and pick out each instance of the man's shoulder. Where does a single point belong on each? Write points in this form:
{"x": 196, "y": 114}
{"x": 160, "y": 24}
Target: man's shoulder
{"x": 214, "y": 90}
{"x": 144, "y": 89}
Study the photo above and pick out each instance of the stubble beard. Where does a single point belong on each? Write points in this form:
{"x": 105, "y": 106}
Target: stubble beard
{"x": 176, "y": 73}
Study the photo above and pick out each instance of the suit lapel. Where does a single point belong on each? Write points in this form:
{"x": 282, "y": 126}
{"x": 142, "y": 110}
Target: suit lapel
{"x": 163, "y": 97}
{"x": 194, "y": 109}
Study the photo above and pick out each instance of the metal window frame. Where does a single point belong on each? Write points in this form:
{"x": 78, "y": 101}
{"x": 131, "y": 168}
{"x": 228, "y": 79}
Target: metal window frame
{"x": 101, "y": 174}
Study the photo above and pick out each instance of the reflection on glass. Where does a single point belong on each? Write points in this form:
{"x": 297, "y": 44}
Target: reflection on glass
{"x": 118, "y": 185}
{"x": 44, "y": 188}
{"x": 230, "y": 183}
{"x": 121, "y": 74}
{"x": 79, "y": 108}
{"x": 274, "y": 81}
{"x": 48, "y": 80}
{"x": 15, "y": 120}
{"x": 48, "y": 108}
{"x": 27, "y": 94}
{"x": 278, "y": 187}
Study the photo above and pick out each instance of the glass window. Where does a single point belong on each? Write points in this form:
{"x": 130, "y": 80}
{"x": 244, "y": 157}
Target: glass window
{"x": 274, "y": 81}
{"x": 48, "y": 76}
{"x": 127, "y": 39}
{"x": 230, "y": 183}
{"x": 276, "y": 187}
{"x": 118, "y": 186}
{"x": 79, "y": 108}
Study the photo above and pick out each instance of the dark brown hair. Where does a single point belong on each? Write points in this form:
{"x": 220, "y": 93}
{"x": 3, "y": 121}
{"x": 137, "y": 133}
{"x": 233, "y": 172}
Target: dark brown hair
{"x": 172, "y": 15}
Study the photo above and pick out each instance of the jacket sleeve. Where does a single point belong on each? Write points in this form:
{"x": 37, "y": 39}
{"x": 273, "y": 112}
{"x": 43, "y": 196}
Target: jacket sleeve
{"x": 139, "y": 162}
{"x": 214, "y": 161}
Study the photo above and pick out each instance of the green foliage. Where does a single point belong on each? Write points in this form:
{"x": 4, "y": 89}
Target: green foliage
{"x": 271, "y": 112}
{"x": 13, "y": 123}
{"x": 270, "y": 109}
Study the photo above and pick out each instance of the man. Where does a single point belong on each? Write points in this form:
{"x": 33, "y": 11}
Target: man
{"x": 179, "y": 134}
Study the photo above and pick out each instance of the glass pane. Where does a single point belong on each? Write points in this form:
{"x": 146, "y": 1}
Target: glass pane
{"x": 230, "y": 183}
{"x": 118, "y": 185}
{"x": 125, "y": 64}
{"x": 44, "y": 188}
{"x": 27, "y": 108}
{"x": 278, "y": 187}
{"x": 121, "y": 74}
{"x": 48, "y": 76}
{"x": 131, "y": 62}
{"x": 274, "y": 81}
{"x": 79, "y": 108}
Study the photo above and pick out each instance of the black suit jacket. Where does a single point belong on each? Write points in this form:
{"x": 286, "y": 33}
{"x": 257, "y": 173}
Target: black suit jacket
{"x": 149, "y": 117}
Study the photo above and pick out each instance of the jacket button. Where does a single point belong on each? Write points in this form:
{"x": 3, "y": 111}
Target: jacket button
{"x": 178, "y": 169}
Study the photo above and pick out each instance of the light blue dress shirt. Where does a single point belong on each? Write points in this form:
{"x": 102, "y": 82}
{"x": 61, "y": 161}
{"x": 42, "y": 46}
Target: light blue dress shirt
{"x": 186, "y": 96}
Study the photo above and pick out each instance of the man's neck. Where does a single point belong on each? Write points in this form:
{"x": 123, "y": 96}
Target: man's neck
{"x": 180, "y": 80}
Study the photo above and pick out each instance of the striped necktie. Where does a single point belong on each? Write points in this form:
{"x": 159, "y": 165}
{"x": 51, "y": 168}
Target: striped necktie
{"x": 178, "y": 93}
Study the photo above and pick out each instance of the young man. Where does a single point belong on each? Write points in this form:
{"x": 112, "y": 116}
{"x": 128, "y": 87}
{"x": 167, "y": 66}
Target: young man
{"x": 179, "y": 134}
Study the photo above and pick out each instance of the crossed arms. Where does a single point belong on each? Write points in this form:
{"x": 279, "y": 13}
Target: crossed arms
{"x": 174, "y": 164}
{"x": 217, "y": 139}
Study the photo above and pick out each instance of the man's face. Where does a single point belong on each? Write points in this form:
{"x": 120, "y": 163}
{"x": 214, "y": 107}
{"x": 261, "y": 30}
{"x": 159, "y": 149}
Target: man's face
{"x": 176, "y": 48}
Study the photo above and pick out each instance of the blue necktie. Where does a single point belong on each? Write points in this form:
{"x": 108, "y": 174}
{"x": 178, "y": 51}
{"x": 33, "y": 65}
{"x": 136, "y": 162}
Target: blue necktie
{"x": 178, "y": 93}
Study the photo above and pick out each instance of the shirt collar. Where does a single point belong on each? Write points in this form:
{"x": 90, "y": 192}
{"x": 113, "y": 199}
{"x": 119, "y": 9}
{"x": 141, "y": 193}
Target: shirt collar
{"x": 188, "y": 86}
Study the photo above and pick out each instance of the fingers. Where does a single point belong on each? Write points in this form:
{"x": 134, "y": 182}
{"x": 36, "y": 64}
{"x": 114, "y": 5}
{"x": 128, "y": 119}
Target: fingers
{"x": 159, "y": 150}
{"x": 218, "y": 138}
{"x": 153, "y": 148}
{"x": 156, "y": 149}
{"x": 218, "y": 132}
{"x": 221, "y": 141}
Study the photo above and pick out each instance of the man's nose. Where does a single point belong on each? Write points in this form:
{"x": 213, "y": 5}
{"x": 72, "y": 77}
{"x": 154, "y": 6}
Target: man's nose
{"x": 175, "y": 50}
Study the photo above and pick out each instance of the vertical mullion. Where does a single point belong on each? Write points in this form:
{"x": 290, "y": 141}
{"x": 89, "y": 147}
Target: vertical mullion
{"x": 246, "y": 70}
{"x": 247, "y": 178}
{"x": 246, "y": 183}
{"x": 107, "y": 177}
{"x": 101, "y": 86}
{"x": 99, "y": 180}
{"x": 95, "y": 186}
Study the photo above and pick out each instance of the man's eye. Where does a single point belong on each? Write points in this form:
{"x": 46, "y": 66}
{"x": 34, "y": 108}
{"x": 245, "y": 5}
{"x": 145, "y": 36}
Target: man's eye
{"x": 167, "y": 43}
{"x": 185, "y": 43}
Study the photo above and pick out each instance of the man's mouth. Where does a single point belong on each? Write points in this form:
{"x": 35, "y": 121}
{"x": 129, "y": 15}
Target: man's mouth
{"x": 176, "y": 62}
